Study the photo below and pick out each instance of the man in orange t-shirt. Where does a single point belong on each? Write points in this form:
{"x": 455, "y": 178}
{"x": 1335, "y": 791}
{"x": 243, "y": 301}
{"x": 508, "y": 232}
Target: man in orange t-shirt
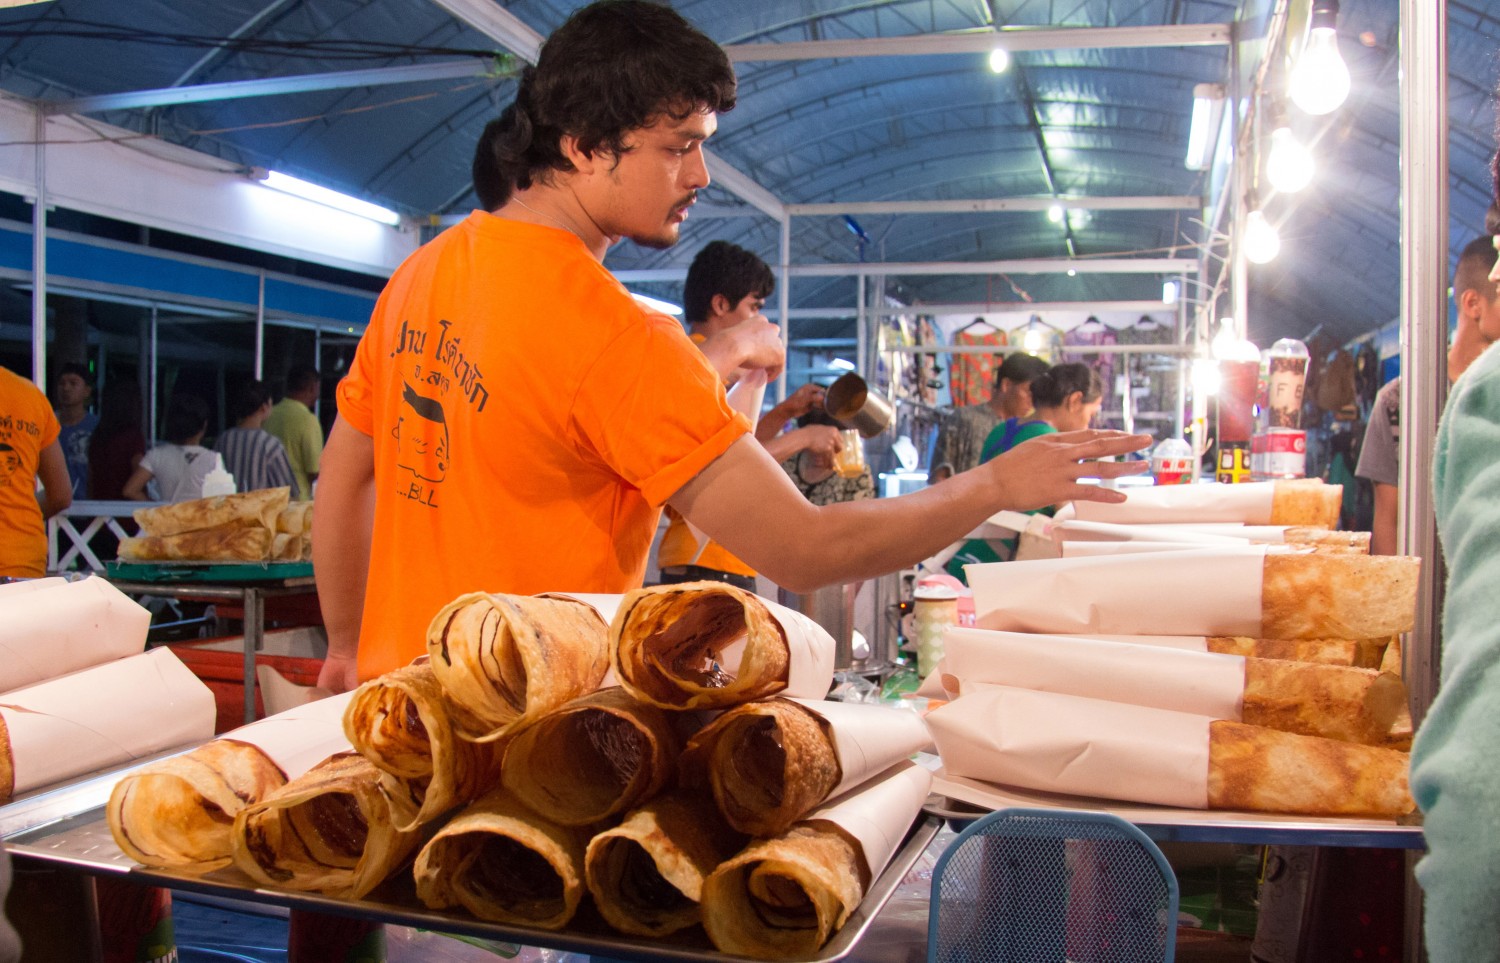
{"x": 28, "y": 450}
{"x": 726, "y": 286}
{"x": 513, "y": 420}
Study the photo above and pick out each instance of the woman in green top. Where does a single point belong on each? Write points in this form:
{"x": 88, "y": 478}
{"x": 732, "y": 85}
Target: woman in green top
{"x": 1066, "y": 397}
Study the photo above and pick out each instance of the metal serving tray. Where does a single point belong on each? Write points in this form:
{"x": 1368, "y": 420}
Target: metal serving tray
{"x": 81, "y": 840}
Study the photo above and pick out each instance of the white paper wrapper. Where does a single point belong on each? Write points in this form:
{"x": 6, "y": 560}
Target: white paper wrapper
{"x": 1095, "y": 549}
{"x": 1192, "y": 643}
{"x": 879, "y": 812}
{"x": 300, "y": 738}
{"x": 869, "y": 739}
{"x": 50, "y": 627}
{"x": 1207, "y": 591}
{"x": 103, "y": 716}
{"x": 1202, "y": 683}
{"x": 1249, "y": 503}
{"x": 1068, "y": 744}
{"x": 1082, "y": 531}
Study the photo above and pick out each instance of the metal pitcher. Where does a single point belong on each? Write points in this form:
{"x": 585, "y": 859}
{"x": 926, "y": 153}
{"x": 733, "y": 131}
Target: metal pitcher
{"x": 850, "y": 400}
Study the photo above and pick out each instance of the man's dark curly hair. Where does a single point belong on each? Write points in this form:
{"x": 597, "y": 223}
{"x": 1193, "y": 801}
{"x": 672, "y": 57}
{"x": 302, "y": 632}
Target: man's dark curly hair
{"x": 727, "y": 269}
{"x": 613, "y": 67}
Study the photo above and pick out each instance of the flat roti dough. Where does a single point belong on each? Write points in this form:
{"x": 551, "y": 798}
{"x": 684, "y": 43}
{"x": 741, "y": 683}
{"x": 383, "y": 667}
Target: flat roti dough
{"x": 596, "y": 757}
{"x": 257, "y": 508}
{"x": 179, "y": 812}
{"x": 646, "y": 875}
{"x": 782, "y": 898}
{"x": 671, "y": 646}
{"x": 1335, "y": 702}
{"x": 504, "y": 863}
{"x": 211, "y": 545}
{"x": 1263, "y": 770}
{"x": 767, "y": 763}
{"x": 1338, "y": 596}
{"x": 1306, "y": 502}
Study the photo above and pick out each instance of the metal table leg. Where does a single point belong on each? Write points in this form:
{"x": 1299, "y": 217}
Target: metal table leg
{"x": 255, "y": 622}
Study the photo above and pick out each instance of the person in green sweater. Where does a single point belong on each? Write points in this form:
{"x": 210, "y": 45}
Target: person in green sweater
{"x": 1066, "y": 398}
{"x": 1454, "y": 777}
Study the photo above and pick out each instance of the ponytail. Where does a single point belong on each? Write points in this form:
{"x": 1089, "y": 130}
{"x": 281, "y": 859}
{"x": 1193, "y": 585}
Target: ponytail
{"x": 1052, "y": 388}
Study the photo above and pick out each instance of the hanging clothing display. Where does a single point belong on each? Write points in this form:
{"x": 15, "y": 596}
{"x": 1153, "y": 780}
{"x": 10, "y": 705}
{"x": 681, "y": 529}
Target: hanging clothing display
{"x": 1094, "y": 333}
{"x": 1039, "y": 338}
{"x": 1153, "y": 377}
{"x": 973, "y": 374}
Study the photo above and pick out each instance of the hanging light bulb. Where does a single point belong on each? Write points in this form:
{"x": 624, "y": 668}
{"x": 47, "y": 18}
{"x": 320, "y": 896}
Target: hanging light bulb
{"x": 1223, "y": 342}
{"x": 1055, "y": 213}
{"x": 1261, "y": 241}
{"x": 999, "y": 60}
{"x": 1319, "y": 82}
{"x": 1289, "y": 167}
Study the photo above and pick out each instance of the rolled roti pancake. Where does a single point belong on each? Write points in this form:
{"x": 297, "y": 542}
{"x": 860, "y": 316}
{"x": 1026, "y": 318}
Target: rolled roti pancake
{"x": 328, "y": 831}
{"x": 258, "y": 508}
{"x": 400, "y": 723}
{"x": 646, "y": 874}
{"x": 249, "y": 544}
{"x": 698, "y": 645}
{"x": 596, "y": 757}
{"x": 1321, "y": 651}
{"x": 507, "y": 659}
{"x": 504, "y": 863}
{"x": 1335, "y": 702}
{"x": 7, "y": 765}
{"x": 180, "y": 812}
{"x": 1329, "y": 542}
{"x": 767, "y": 763}
{"x": 1338, "y": 596}
{"x": 1264, "y": 770}
{"x": 295, "y": 519}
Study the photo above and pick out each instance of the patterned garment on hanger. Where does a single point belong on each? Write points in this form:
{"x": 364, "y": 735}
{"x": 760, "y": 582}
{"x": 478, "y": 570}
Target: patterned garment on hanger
{"x": 1050, "y": 345}
{"x": 973, "y": 375}
{"x": 1093, "y": 334}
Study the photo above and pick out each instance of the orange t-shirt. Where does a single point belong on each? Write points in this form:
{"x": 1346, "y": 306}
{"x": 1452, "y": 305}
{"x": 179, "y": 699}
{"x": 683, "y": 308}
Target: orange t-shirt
{"x": 679, "y": 546}
{"x": 27, "y": 425}
{"x": 529, "y": 419}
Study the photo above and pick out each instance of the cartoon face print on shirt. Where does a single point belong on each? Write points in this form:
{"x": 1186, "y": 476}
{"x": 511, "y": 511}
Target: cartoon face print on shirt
{"x": 10, "y": 463}
{"x": 421, "y": 435}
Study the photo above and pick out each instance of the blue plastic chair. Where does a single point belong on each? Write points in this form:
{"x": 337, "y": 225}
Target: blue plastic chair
{"x": 1052, "y": 886}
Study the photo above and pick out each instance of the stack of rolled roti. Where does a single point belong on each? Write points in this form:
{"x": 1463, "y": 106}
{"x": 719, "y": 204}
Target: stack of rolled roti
{"x": 1228, "y": 670}
{"x": 253, "y": 526}
{"x": 703, "y": 783}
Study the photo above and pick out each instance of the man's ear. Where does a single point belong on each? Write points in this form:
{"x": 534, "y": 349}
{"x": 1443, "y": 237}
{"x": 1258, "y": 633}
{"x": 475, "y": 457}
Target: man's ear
{"x": 582, "y": 162}
{"x": 1469, "y": 304}
{"x": 718, "y": 305}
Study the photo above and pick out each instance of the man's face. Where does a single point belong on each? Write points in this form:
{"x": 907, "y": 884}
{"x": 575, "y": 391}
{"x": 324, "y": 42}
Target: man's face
{"x": 1489, "y": 315}
{"x": 748, "y": 307}
{"x": 72, "y": 390}
{"x": 644, "y": 193}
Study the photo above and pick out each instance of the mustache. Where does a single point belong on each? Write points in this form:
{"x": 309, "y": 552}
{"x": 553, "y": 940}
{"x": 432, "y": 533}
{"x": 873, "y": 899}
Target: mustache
{"x": 686, "y": 201}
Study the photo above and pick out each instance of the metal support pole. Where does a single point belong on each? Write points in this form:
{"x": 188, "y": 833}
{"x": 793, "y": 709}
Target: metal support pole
{"x": 154, "y": 375}
{"x": 260, "y": 329}
{"x": 862, "y": 358}
{"x": 783, "y": 298}
{"x": 39, "y": 259}
{"x": 1424, "y": 314}
{"x": 1239, "y": 265}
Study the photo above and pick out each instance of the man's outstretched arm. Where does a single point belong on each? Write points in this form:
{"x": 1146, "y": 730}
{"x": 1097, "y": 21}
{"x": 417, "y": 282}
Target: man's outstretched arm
{"x": 343, "y": 519}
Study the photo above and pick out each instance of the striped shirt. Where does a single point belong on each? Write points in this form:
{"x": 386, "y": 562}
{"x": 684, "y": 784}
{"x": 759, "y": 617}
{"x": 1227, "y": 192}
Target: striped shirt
{"x": 255, "y": 458}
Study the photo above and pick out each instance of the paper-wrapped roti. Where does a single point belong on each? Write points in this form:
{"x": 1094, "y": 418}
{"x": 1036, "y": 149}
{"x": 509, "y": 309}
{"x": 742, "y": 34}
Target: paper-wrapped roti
{"x": 253, "y": 509}
{"x": 646, "y": 874}
{"x": 1110, "y": 750}
{"x": 704, "y": 645}
{"x": 399, "y": 721}
{"x": 180, "y": 811}
{"x": 328, "y": 831}
{"x": 782, "y": 898}
{"x": 1302, "y": 501}
{"x": 50, "y": 627}
{"x": 596, "y": 757}
{"x": 211, "y": 545}
{"x": 1214, "y": 591}
{"x": 504, "y": 863}
{"x": 1337, "y": 702}
{"x": 771, "y": 762}
{"x": 507, "y": 659}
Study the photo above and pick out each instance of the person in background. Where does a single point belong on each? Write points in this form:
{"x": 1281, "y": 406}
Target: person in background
{"x": 962, "y": 432}
{"x": 514, "y": 420}
{"x": 1477, "y": 299}
{"x": 293, "y": 422}
{"x": 174, "y": 470}
{"x": 73, "y": 392}
{"x": 29, "y": 452}
{"x": 253, "y": 456}
{"x": 813, "y": 472}
{"x": 727, "y": 287}
{"x": 1454, "y": 778}
{"x": 1066, "y": 398}
{"x": 119, "y": 442}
